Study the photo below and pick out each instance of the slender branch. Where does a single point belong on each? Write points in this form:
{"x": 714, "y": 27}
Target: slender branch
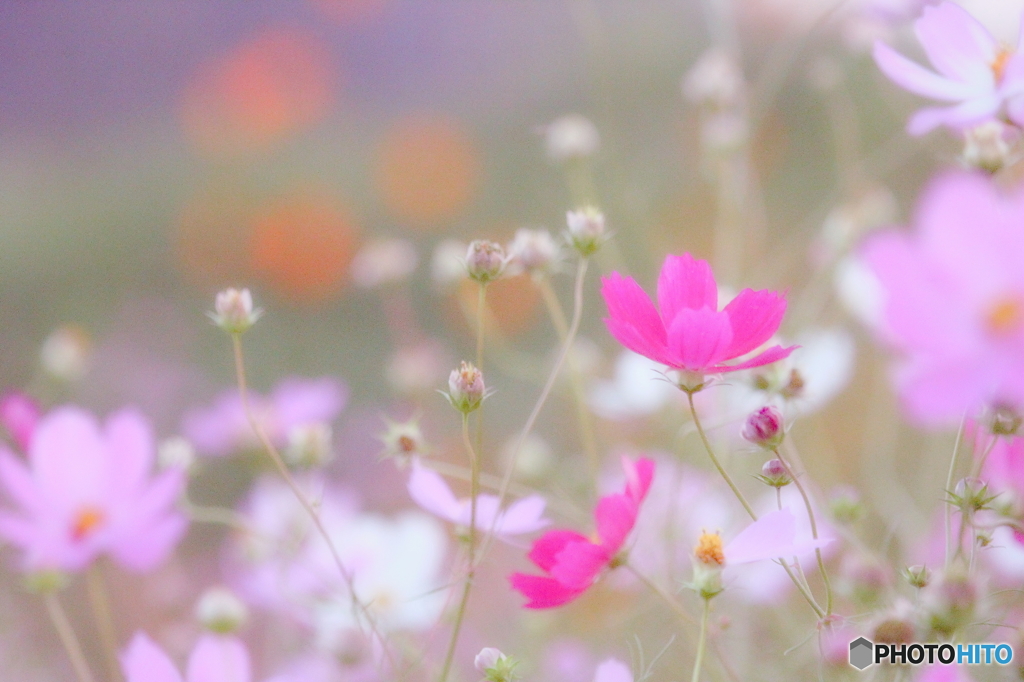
{"x": 714, "y": 459}
{"x": 275, "y": 456}
{"x": 104, "y": 618}
{"x": 67, "y": 637}
{"x": 481, "y": 306}
{"x": 474, "y": 491}
{"x": 949, "y": 487}
{"x": 698, "y": 661}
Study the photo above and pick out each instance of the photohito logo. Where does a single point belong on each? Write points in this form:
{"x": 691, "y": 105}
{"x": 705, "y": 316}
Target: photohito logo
{"x": 864, "y": 652}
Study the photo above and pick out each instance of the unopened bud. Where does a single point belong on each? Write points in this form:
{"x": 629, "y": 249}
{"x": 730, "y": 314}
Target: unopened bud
{"x": 175, "y": 453}
{"x": 985, "y": 147}
{"x": 775, "y": 474}
{"x": 1005, "y": 420}
{"x": 918, "y": 576}
{"x": 219, "y": 610}
{"x": 585, "y": 229}
{"x": 485, "y": 261}
{"x": 310, "y": 445}
{"x": 65, "y": 354}
{"x": 765, "y": 428}
{"x": 233, "y": 311}
{"x": 466, "y": 388}
{"x": 972, "y": 495}
{"x": 533, "y": 251}
{"x": 19, "y": 414}
{"x": 571, "y": 137}
{"x": 495, "y": 666}
{"x": 487, "y": 658}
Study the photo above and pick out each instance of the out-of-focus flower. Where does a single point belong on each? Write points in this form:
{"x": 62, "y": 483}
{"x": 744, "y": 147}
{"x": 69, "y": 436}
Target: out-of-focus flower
{"x": 222, "y": 428}
{"x": 690, "y": 333}
{"x": 613, "y": 670}
{"x": 954, "y": 300}
{"x": 631, "y": 393}
{"x": 447, "y": 264}
{"x": 310, "y": 445}
{"x": 859, "y": 290}
{"x": 775, "y": 474}
{"x": 233, "y": 311}
{"x": 175, "y": 453}
{"x": 773, "y": 535}
{"x": 485, "y": 260}
{"x": 215, "y": 657}
{"x": 403, "y": 439}
{"x": 974, "y": 70}
{"x": 384, "y": 261}
{"x": 715, "y": 80}
{"x": 585, "y": 229}
{"x": 533, "y": 250}
{"x": 466, "y": 388}
{"x": 219, "y": 610}
{"x": 88, "y": 491}
{"x": 572, "y": 561}
{"x": 19, "y": 414}
{"x": 415, "y": 368}
{"x": 571, "y": 137}
{"x": 985, "y": 146}
{"x": 430, "y": 491}
{"x": 352, "y": 666}
{"x": 495, "y": 666}
{"x": 66, "y": 353}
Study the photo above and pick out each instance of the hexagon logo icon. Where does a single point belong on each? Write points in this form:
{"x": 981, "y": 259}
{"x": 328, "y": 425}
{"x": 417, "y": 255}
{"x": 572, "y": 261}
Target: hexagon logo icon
{"x": 861, "y": 653}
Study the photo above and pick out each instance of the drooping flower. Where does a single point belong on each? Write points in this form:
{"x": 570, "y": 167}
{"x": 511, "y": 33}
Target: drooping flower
{"x": 215, "y": 658}
{"x": 88, "y": 491}
{"x": 571, "y": 560}
{"x": 430, "y": 491}
{"x": 954, "y": 300}
{"x": 978, "y": 75}
{"x": 222, "y": 428}
{"x": 690, "y": 333}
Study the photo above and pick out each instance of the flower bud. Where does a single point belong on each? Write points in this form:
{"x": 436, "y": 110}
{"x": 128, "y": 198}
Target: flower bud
{"x": 487, "y": 658}
{"x": 571, "y": 137}
{"x": 466, "y": 388}
{"x": 495, "y": 666}
{"x": 708, "y": 561}
{"x": 775, "y": 474}
{"x": 985, "y": 147}
{"x": 586, "y": 229}
{"x": 485, "y": 260}
{"x": 219, "y": 610}
{"x": 233, "y": 311}
{"x": 845, "y": 505}
{"x": 1004, "y": 420}
{"x": 175, "y": 452}
{"x": 310, "y": 445}
{"x": 65, "y": 354}
{"x": 403, "y": 440}
{"x": 533, "y": 251}
{"x": 918, "y": 576}
{"x": 765, "y": 428}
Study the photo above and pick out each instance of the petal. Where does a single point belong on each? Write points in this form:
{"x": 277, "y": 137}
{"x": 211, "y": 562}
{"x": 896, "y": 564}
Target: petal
{"x": 616, "y": 516}
{"x": 956, "y": 43}
{"x": 547, "y": 547}
{"x": 150, "y": 545}
{"x": 613, "y": 670}
{"x": 698, "y": 339}
{"x": 755, "y": 316}
{"x": 219, "y": 658}
{"x": 144, "y": 661}
{"x": 523, "y": 516}
{"x": 770, "y": 537}
{"x": 773, "y": 354}
{"x": 918, "y": 80}
{"x": 633, "y": 339}
{"x": 543, "y": 593}
{"x": 68, "y": 458}
{"x": 970, "y": 113}
{"x": 639, "y": 475}
{"x": 18, "y": 530}
{"x": 430, "y": 491}
{"x": 685, "y": 282}
{"x": 129, "y": 440}
{"x": 18, "y": 483}
{"x": 630, "y": 308}
{"x": 578, "y": 564}
{"x": 298, "y": 402}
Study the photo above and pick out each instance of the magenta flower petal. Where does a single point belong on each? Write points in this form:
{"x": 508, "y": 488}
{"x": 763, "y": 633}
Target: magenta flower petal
{"x": 578, "y": 564}
{"x": 698, "y": 339}
{"x": 754, "y": 316}
{"x": 19, "y": 414}
{"x": 615, "y": 516}
{"x": 632, "y": 319}
{"x": 219, "y": 658}
{"x": 546, "y": 548}
{"x": 956, "y": 43}
{"x": 686, "y": 282}
{"x": 542, "y": 592}
{"x": 639, "y": 474}
{"x": 144, "y": 661}
{"x": 767, "y": 357}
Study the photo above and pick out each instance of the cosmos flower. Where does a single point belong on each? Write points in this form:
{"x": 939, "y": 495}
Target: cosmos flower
{"x": 975, "y": 72}
{"x": 572, "y": 561}
{"x": 430, "y": 491}
{"x": 222, "y": 428}
{"x": 954, "y": 300}
{"x": 88, "y": 491}
{"x": 690, "y": 333}
{"x": 215, "y": 658}
{"x": 613, "y": 670}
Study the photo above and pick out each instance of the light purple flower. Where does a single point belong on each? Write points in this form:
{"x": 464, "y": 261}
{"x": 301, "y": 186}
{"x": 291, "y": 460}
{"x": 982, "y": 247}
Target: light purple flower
{"x": 613, "y": 670}
{"x": 772, "y": 536}
{"x": 982, "y": 77}
{"x": 215, "y": 658}
{"x": 954, "y": 300}
{"x": 222, "y": 428}
{"x": 88, "y": 491}
{"x": 431, "y": 492}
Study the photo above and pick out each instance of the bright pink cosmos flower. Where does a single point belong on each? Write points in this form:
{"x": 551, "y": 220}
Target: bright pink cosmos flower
{"x": 88, "y": 491}
{"x": 19, "y": 414}
{"x": 975, "y": 71}
{"x": 573, "y": 561}
{"x": 954, "y": 300}
{"x": 691, "y": 333}
{"x": 215, "y": 658}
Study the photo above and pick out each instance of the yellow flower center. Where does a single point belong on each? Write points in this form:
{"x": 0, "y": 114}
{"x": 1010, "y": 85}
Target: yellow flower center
{"x": 709, "y": 549}
{"x": 1005, "y": 316}
{"x": 998, "y": 64}
{"x": 85, "y": 522}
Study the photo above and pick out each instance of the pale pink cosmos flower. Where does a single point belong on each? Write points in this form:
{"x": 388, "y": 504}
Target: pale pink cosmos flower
{"x": 982, "y": 77}
{"x": 772, "y": 536}
{"x": 954, "y": 300}
{"x": 571, "y": 560}
{"x": 690, "y": 332}
{"x": 215, "y": 658}
{"x": 222, "y": 428}
{"x": 613, "y": 670}
{"x": 88, "y": 491}
{"x": 429, "y": 490}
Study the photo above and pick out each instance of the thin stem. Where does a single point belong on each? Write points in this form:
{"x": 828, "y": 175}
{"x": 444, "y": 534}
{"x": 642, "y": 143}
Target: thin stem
{"x": 275, "y": 456}
{"x": 574, "y": 326}
{"x": 814, "y": 531}
{"x": 481, "y": 306}
{"x": 671, "y": 601}
{"x": 714, "y": 460}
{"x": 104, "y": 618}
{"x": 698, "y": 662}
{"x": 67, "y": 637}
{"x": 474, "y": 491}
{"x": 949, "y": 488}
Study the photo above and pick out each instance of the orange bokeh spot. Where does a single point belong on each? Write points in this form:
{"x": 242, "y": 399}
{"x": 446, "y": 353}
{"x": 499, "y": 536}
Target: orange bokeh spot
{"x": 302, "y": 245}
{"x": 85, "y": 522}
{"x": 512, "y": 301}
{"x": 350, "y": 11}
{"x": 427, "y": 170}
{"x": 264, "y": 90}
